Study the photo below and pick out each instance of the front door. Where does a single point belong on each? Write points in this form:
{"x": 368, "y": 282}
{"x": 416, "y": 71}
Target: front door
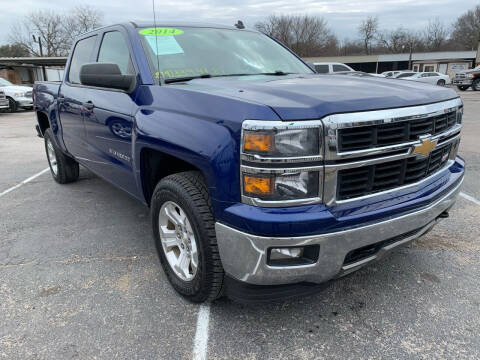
{"x": 109, "y": 121}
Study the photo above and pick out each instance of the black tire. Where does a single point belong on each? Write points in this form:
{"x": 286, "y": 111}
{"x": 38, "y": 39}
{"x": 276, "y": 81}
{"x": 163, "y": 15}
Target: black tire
{"x": 68, "y": 169}
{"x": 462, "y": 88}
{"x": 189, "y": 191}
{"x": 12, "y": 105}
{"x": 476, "y": 85}
{"x": 441, "y": 82}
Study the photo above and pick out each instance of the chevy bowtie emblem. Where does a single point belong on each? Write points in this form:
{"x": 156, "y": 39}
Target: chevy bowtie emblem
{"x": 425, "y": 147}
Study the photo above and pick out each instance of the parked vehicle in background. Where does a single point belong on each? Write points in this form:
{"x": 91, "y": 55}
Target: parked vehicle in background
{"x": 3, "y": 101}
{"x": 403, "y": 74}
{"x": 18, "y": 96}
{"x": 331, "y": 67}
{"x": 430, "y": 78}
{"x": 263, "y": 178}
{"x": 391, "y": 73}
{"x": 463, "y": 80}
{"x": 358, "y": 74}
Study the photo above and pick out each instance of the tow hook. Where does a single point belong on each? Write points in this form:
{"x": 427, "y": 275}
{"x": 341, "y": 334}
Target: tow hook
{"x": 444, "y": 215}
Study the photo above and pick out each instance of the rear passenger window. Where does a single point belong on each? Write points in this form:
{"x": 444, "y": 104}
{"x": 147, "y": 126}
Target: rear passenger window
{"x": 339, "y": 68}
{"x": 114, "y": 49}
{"x": 321, "y": 69}
{"x": 81, "y": 55}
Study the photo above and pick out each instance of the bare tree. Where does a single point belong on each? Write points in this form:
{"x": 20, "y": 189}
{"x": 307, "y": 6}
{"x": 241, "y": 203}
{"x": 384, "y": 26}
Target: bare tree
{"x": 400, "y": 41}
{"x": 435, "y": 35}
{"x": 466, "y": 30}
{"x": 368, "y": 30}
{"x": 13, "y": 50}
{"x": 82, "y": 18}
{"x": 306, "y": 35}
{"x": 55, "y": 31}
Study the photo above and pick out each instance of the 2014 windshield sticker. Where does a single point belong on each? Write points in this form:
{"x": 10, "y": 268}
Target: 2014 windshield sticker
{"x": 161, "y": 31}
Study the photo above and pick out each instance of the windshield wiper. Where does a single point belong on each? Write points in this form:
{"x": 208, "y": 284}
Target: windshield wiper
{"x": 206, "y": 76}
{"x": 187, "y": 78}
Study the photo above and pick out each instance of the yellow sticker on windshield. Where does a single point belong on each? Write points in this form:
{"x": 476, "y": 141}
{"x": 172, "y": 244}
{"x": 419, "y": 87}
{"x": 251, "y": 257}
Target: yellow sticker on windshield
{"x": 161, "y": 31}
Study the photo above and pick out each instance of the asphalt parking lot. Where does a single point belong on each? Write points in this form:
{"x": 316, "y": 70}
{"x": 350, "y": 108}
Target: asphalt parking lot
{"x": 79, "y": 278}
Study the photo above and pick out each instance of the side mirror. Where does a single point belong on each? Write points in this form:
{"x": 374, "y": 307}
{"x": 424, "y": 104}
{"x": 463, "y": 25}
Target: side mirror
{"x": 106, "y": 75}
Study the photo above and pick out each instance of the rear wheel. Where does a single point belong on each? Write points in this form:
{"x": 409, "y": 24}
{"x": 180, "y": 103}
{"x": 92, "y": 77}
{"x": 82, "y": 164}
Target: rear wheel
{"x": 441, "y": 82}
{"x": 184, "y": 231}
{"x": 476, "y": 85}
{"x": 63, "y": 168}
{"x": 462, "y": 88}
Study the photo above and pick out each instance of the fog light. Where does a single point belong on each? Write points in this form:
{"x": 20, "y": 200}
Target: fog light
{"x": 293, "y": 256}
{"x": 286, "y": 253}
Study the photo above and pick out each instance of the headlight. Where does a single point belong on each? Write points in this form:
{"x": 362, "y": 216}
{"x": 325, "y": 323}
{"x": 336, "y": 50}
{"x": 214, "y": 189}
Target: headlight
{"x": 469, "y": 76}
{"x": 459, "y": 115}
{"x": 272, "y": 153}
{"x": 279, "y": 187}
{"x": 19, "y": 94}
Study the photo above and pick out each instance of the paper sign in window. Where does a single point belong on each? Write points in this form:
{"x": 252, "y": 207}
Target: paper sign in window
{"x": 164, "y": 45}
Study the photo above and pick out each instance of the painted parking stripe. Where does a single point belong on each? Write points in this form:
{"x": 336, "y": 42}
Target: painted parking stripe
{"x": 201, "y": 334}
{"x": 24, "y": 182}
{"x": 471, "y": 198}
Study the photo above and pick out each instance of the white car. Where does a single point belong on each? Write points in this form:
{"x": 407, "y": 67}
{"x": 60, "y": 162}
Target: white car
{"x": 331, "y": 67}
{"x": 18, "y": 96}
{"x": 390, "y": 74}
{"x": 431, "y": 78}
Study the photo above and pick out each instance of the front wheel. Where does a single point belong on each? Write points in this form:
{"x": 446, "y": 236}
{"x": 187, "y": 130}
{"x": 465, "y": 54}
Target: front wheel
{"x": 476, "y": 85}
{"x": 462, "y": 88}
{"x": 63, "y": 168}
{"x": 441, "y": 82}
{"x": 12, "y": 105}
{"x": 184, "y": 231}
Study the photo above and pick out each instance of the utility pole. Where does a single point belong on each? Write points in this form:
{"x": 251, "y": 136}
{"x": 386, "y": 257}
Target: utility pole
{"x": 41, "y": 54}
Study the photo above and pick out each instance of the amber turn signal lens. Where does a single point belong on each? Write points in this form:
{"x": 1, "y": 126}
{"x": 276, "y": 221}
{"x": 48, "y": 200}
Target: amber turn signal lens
{"x": 257, "y": 185}
{"x": 258, "y": 142}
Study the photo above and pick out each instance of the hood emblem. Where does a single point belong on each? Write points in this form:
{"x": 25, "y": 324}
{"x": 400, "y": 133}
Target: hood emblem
{"x": 427, "y": 145}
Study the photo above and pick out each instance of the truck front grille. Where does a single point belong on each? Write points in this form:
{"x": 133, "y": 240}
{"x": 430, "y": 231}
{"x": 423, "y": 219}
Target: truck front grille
{"x": 2, "y": 95}
{"x": 460, "y": 76}
{"x": 368, "y": 137}
{"x": 367, "y": 180}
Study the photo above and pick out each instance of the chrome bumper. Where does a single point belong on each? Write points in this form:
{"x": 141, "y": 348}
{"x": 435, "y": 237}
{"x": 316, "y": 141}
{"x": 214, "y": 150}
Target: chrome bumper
{"x": 244, "y": 255}
{"x": 4, "y": 104}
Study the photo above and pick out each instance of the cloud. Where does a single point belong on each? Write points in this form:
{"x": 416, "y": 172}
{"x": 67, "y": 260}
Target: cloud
{"x": 343, "y": 16}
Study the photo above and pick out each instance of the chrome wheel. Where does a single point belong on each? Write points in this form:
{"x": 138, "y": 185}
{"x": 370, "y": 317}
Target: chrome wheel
{"x": 52, "y": 158}
{"x": 178, "y": 240}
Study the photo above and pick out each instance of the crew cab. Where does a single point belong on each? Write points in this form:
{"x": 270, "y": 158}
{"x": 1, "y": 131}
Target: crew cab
{"x": 463, "y": 80}
{"x": 263, "y": 178}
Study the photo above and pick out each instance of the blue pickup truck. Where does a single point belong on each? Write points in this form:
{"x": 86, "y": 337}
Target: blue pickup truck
{"x": 264, "y": 180}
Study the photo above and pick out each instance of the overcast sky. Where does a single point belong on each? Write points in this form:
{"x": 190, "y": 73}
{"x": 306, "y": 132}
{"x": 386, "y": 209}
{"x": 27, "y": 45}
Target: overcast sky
{"x": 343, "y": 16}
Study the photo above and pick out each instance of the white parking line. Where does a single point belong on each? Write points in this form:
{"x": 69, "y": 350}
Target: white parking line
{"x": 471, "y": 198}
{"x": 201, "y": 335}
{"x": 24, "y": 182}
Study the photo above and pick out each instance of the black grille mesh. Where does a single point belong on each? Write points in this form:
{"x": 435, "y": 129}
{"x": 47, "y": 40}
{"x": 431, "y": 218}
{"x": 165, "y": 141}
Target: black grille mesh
{"x": 370, "y": 179}
{"x": 367, "y": 137}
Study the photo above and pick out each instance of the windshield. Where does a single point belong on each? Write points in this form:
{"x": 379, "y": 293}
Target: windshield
{"x": 190, "y": 52}
{"x": 4, "y": 82}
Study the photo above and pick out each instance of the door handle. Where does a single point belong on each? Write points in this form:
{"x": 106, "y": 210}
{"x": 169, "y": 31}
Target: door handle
{"x": 88, "y": 105}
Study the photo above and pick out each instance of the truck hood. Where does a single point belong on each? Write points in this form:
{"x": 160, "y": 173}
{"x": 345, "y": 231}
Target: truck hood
{"x": 295, "y": 97}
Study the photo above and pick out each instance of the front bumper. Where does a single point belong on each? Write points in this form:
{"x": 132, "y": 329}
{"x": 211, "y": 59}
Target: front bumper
{"x": 462, "y": 82}
{"x": 244, "y": 256}
{"x": 24, "y": 102}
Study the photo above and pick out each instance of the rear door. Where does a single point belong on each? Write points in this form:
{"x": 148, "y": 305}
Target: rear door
{"x": 71, "y": 97}
{"x": 108, "y": 119}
